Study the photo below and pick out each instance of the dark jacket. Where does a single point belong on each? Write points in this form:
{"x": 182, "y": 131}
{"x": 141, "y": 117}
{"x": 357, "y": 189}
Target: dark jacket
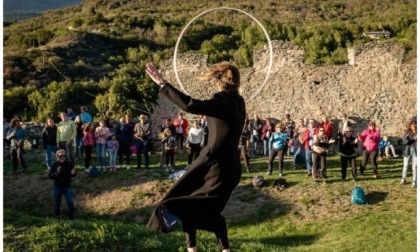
{"x": 204, "y": 190}
{"x": 410, "y": 143}
{"x": 124, "y": 135}
{"x": 49, "y": 135}
{"x": 348, "y": 147}
{"x": 62, "y": 179}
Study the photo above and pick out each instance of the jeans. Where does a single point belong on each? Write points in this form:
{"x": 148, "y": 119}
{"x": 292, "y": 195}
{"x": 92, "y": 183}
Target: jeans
{"x": 308, "y": 158}
{"x": 58, "y": 191}
{"x": 296, "y": 154}
{"x": 79, "y": 146}
{"x": 267, "y": 147}
{"x": 47, "y": 151}
{"x": 413, "y": 157}
{"x": 112, "y": 157}
{"x": 254, "y": 144}
{"x": 142, "y": 147}
{"x": 100, "y": 152}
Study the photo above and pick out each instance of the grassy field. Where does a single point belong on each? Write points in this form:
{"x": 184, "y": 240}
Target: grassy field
{"x": 112, "y": 210}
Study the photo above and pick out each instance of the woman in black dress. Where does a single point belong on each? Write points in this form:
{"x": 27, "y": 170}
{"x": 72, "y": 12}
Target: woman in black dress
{"x": 199, "y": 197}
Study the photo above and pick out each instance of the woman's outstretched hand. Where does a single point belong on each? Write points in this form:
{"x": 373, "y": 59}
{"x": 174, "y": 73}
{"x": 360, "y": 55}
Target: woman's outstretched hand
{"x": 154, "y": 74}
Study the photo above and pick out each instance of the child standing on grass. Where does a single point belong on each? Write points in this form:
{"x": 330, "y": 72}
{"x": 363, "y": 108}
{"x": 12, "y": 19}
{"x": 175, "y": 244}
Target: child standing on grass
{"x": 88, "y": 143}
{"x": 112, "y": 146}
{"x": 169, "y": 143}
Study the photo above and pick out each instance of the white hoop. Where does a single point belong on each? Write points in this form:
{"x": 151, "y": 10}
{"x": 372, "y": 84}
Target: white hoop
{"x": 225, "y": 8}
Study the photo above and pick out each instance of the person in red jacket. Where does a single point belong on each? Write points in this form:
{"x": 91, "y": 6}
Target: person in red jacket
{"x": 181, "y": 125}
{"x": 328, "y": 126}
{"x": 370, "y": 138}
{"x": 307, "y": 141}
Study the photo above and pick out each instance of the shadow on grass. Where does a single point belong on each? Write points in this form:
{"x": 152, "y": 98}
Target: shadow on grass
{"x": 290, "y": 241}
{"x": 376, "y": 197}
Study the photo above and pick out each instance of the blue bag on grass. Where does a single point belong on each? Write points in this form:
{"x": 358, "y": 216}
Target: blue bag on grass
{"x": 93, "y": 172}
{"x": 358, "y": 196}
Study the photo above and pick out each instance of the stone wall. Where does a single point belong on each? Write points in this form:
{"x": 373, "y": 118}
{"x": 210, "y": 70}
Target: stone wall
{"x": 375, "y": 85}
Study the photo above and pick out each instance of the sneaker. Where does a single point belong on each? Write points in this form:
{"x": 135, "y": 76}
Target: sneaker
{"x": 87, "y": 170}
{"x": 403, "y": 182}
{"x": 280, "y": 174}
{"x": 308, "y": 175}
{"x": 268, "y": 173}
{"x": 375, "y": 176}
{"x": 414, "y": 185}
{"x": 128, "y": 167}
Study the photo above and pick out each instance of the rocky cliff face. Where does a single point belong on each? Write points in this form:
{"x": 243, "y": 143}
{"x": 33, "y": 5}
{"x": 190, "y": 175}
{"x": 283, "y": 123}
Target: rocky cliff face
{"x": 375, "y": 85}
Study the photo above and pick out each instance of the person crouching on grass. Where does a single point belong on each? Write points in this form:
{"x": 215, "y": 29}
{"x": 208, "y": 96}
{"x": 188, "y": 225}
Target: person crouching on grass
{"x": 61, "y": 172}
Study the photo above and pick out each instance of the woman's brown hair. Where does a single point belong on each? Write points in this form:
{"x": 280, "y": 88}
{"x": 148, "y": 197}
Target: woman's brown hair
{"x": 227, "y": 74}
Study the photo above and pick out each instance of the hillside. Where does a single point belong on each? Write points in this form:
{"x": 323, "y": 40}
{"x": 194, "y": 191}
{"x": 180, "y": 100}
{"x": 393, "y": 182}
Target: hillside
{"x": 96, "y": 45}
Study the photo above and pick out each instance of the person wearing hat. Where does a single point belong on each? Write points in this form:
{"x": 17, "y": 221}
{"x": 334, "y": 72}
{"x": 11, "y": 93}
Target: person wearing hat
{"x": 370, "y": 138}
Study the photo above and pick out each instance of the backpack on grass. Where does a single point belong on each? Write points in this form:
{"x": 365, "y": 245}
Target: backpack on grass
{"x": 358, "y": 196}
{"x": 93, "y": 172}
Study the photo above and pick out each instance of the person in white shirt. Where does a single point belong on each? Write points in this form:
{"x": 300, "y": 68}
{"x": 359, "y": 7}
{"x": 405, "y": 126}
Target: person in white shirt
{"x": 195, "y": 141}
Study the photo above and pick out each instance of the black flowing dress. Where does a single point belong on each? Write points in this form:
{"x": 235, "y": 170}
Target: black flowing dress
{"x": 201, "y": 194}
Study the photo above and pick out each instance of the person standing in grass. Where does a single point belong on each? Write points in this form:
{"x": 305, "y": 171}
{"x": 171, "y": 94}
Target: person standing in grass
{"x": 279, "y": 140}
{"x": 101, "y": 134}
{"x": 410, "y": 151}
{"x": 66, "y": 133}
{"x": 347, "y": 144}
{"x": 112, "y": 147}
{"x": 320, "y": 145}
{"x": 370, "y": 138}
{"x": 168, "y": 145}
{"x": 195, "y": 141}
{"x": 200, "y": 195}
{"x": 17, "y": 137}
{"x": 49, "y": 140}
{"x": 88, "y": 143}
{"x": 61, "y": 172}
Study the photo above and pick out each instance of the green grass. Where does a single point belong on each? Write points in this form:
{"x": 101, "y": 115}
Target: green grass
{"x": 112, "y": 211}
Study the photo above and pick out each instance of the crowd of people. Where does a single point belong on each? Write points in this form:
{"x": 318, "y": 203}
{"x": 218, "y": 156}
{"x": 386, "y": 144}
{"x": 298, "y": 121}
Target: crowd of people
{"x": 307, "y": 141}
